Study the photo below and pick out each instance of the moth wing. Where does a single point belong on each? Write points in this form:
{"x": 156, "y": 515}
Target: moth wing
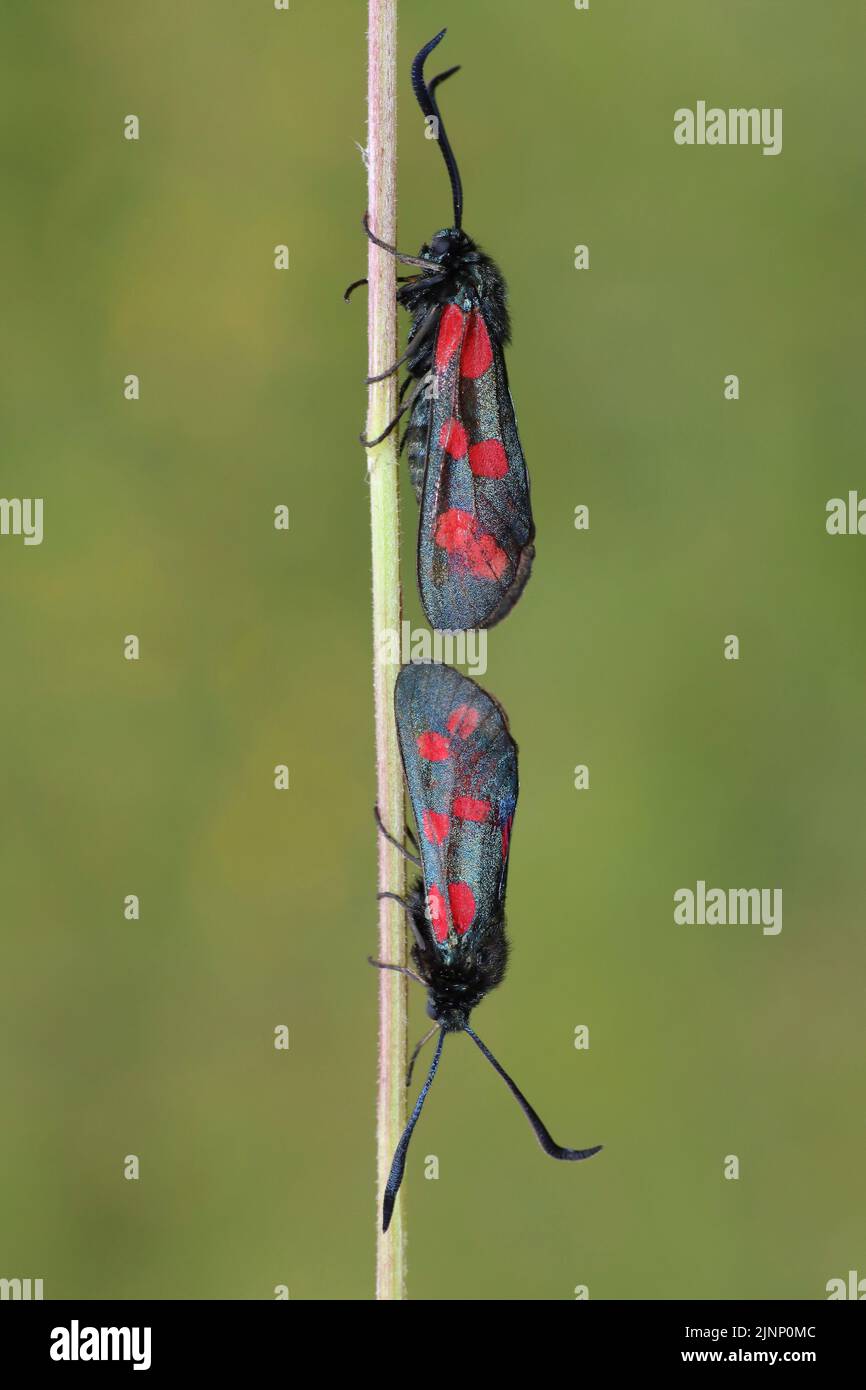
{"x": 460, "y": 763}
{"x": 475, "y": 547}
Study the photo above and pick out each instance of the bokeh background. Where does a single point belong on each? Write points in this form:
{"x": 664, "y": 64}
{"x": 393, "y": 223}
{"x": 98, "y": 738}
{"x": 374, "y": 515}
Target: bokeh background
{"x": 707, "y": 518}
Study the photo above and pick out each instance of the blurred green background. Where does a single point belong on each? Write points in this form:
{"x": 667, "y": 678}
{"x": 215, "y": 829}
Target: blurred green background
{"x": 707, "y": 518}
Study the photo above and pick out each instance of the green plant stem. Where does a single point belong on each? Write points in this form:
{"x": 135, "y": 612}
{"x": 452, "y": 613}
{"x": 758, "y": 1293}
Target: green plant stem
{"x": 387, "y": 613}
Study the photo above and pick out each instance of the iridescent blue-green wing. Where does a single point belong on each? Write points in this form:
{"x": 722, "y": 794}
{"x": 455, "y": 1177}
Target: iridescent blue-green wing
{"x": 460, "y": 763}
{"x": 475, "y": 539}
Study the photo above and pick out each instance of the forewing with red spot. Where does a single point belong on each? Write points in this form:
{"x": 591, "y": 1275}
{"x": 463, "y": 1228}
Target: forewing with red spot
{"x": 475, "y": 539}
{"x": 461, "y": 770}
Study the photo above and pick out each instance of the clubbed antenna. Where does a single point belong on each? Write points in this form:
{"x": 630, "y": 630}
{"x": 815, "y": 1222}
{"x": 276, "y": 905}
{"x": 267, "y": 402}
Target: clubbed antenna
{"x": 427, "y": 101}
{"x": 395, "y": 1177}
{"x": 542, "y": 1134}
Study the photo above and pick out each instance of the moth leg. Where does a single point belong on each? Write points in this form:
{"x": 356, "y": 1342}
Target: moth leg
{"x": 426, "y": 1038}
{"x": 371, "y": 443}
{"x": 395, "y": 897}
{"x": 406, "y": 260}
{"x": 426, "y": 324}
{"x": 401, "y": 970}
{"x": 403, "y": 389}
{"x": 426, "y": 281}
{"x": 413, "y": 858}
{"x": 401, "y": 280}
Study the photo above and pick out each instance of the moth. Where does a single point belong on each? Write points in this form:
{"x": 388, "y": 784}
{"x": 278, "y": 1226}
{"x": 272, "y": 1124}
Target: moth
{"x": 460, "y": 765}
{"x": 476, "y": 532}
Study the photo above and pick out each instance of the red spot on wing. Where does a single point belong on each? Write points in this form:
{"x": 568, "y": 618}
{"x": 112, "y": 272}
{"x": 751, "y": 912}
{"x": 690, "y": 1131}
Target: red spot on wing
{"x": 485, "y": 558}
{"x": 449, "y": 335}
{"x": 455, "y": 530}
{"x": 463, "y": 721}
{"x": 488, "y": 459}
{"x": 477, "y": 353}
{"x": 436, "y": 826}
{"x": 437, "y": 913}
{"x": 452, "y": 438}
{"x": 457, "y": 533}
{"x": 462, "y": 901}
{"x": 434, "y": 747}
{"x": 469, "y": 808}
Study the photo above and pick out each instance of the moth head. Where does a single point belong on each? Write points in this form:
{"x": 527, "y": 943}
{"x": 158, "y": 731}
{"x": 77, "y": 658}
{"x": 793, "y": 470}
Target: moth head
{"x": 445, "y": 245}
{"x": 449, "y": 1011}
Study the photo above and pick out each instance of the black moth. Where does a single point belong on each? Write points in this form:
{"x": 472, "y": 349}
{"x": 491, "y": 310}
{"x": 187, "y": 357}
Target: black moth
{"x": 460, "y": 764}
{"x": 475, "y": 534}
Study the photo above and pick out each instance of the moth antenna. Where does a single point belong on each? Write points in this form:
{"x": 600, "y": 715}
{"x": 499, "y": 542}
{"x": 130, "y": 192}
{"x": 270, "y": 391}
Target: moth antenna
{"x": 540, "y": 1131}
{"x": 427, "y": 101}
{"x": 441, "y": 77}
{"x": 395, "y": 1177}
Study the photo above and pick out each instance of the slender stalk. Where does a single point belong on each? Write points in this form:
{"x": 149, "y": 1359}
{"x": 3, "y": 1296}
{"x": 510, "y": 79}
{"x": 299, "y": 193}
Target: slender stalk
{"x": 387, "y": 614}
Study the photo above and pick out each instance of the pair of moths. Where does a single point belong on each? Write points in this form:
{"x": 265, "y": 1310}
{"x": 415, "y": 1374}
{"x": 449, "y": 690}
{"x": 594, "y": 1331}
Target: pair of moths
{"x": 475, "y": 553}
